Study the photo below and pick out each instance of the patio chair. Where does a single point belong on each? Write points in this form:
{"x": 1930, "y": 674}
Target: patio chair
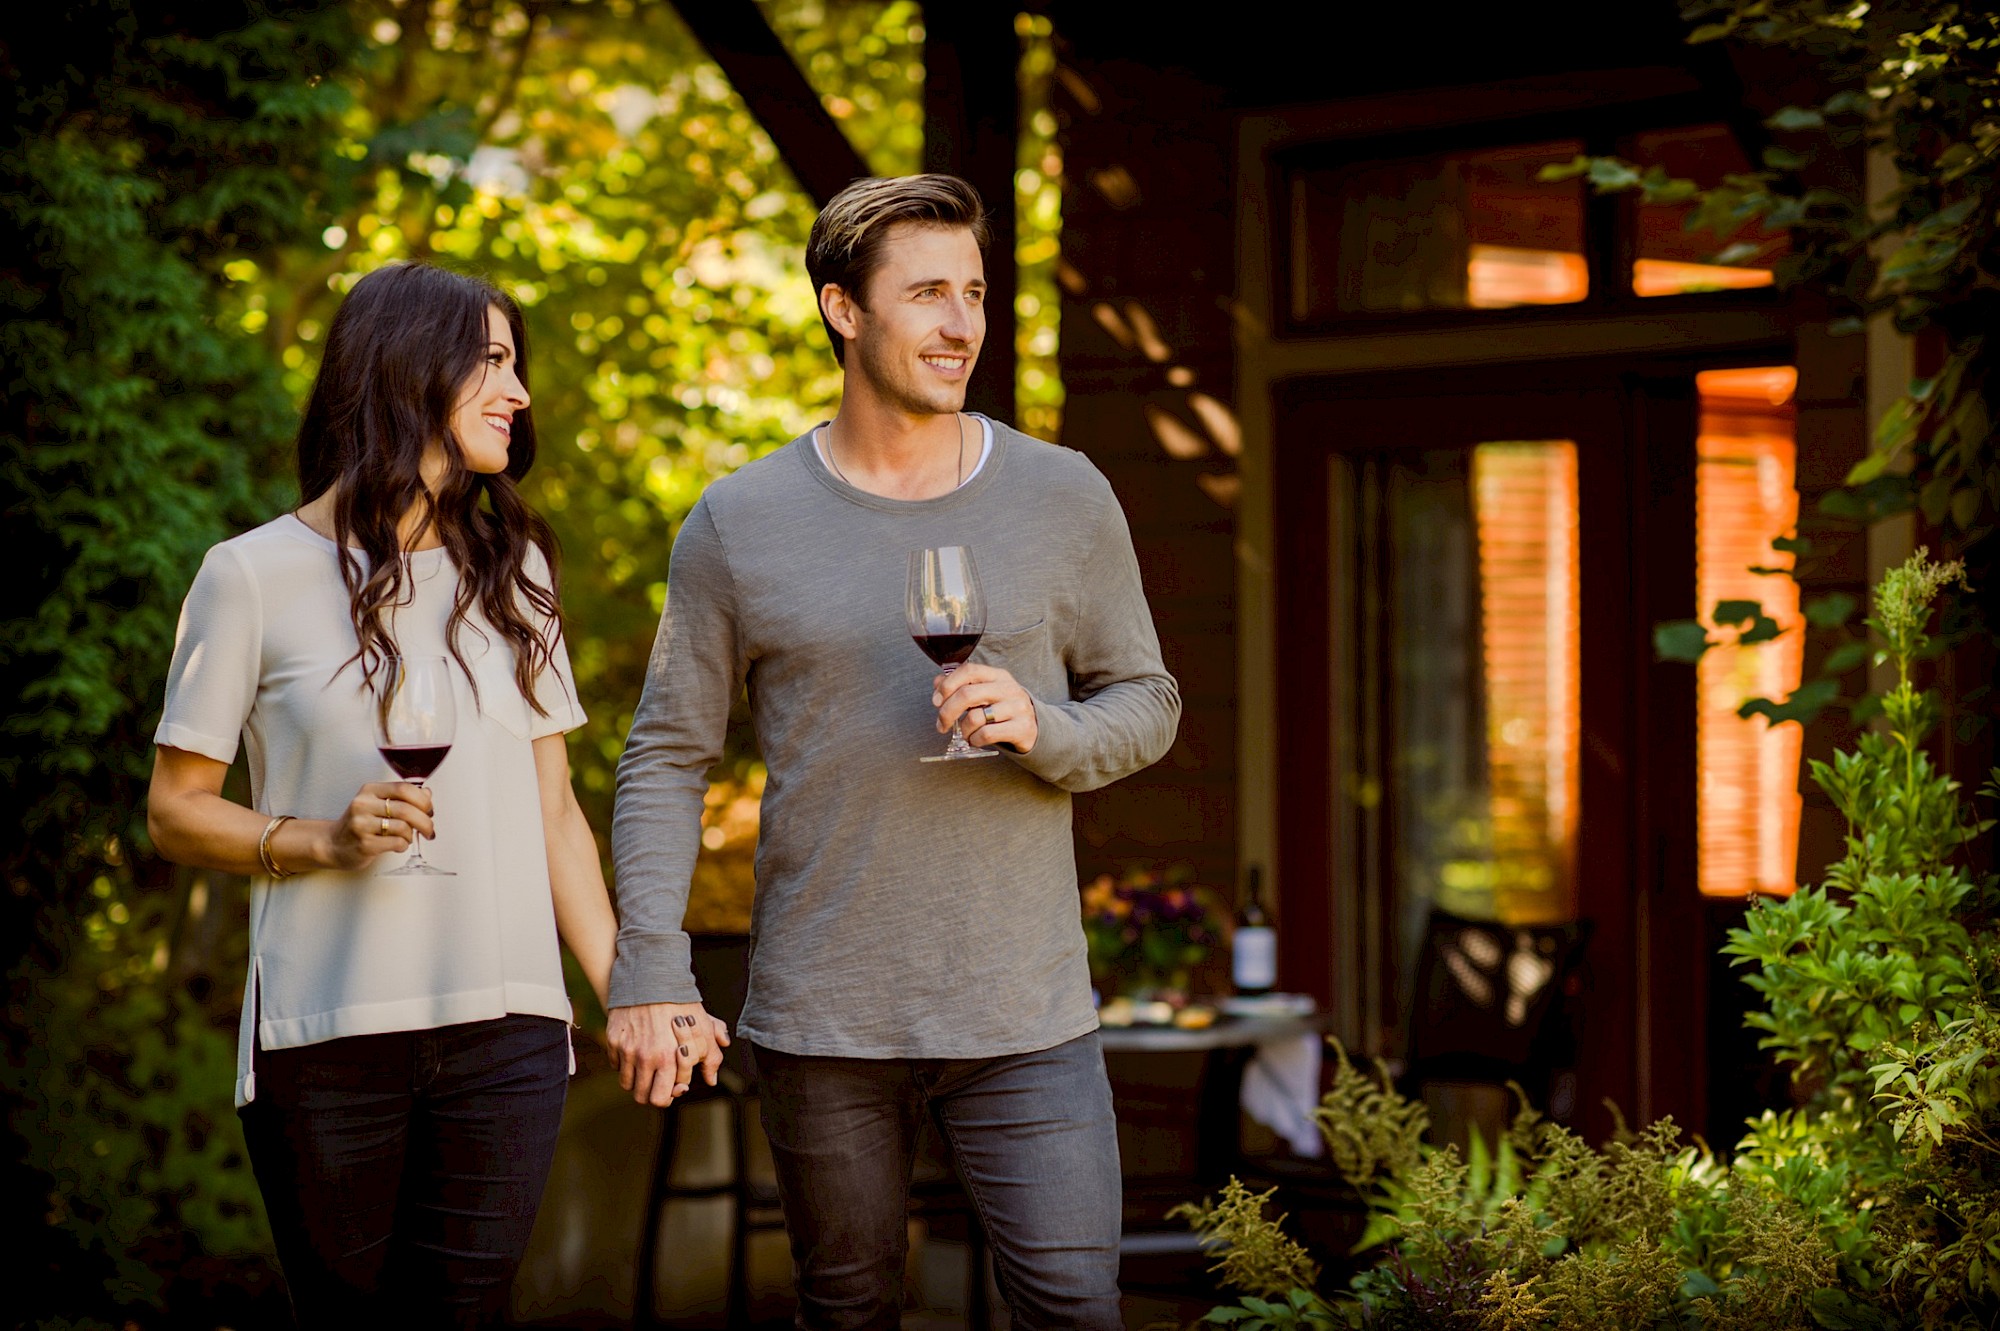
{"x": 1496, "y": 1003}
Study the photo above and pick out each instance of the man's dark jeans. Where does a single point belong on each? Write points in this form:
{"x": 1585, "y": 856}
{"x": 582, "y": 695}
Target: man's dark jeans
{"x": 402, "y": 1171}
{"x": 1035, "y": 1145}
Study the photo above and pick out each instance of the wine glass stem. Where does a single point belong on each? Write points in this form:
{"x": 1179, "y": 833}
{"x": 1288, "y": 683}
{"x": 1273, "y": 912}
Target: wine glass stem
{"x": 957, "y": 735}
{"x": 416, "y": 837}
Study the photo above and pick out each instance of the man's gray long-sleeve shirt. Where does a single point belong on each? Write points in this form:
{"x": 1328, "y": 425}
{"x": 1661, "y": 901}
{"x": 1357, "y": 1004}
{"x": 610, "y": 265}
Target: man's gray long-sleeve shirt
{"x": 904, "y": 909}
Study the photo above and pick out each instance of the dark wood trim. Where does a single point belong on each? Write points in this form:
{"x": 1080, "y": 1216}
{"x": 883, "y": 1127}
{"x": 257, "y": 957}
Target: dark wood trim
{"x": 769, "y": 81}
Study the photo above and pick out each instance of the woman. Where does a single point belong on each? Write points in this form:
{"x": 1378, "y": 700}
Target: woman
{"x": 405, "y": 1040}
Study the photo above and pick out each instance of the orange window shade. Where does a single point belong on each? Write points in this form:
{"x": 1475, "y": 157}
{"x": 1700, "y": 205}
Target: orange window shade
{"x": 1665, "y": 277}
{"x": 1746, "y": 495}
{"x": 1500, "y": 276}
{"x": 1525, "y": 497}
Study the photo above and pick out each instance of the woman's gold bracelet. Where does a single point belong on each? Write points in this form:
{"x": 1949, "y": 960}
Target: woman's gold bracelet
{"x": 264, "y": 855}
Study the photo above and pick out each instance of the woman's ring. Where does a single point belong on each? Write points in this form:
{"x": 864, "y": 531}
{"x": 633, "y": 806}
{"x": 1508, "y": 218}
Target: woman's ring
{"x": 386, "y": 811}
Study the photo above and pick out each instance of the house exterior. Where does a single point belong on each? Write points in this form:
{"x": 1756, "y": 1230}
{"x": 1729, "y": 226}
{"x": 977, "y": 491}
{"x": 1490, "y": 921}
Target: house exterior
{"x": 1418, "y": 448}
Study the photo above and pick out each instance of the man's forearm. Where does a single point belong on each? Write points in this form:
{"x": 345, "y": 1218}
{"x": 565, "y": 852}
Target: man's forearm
{"x": 1091, "y": 742}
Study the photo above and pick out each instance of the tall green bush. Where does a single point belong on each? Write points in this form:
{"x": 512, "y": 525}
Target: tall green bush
{"x": 1873, "y": 1206}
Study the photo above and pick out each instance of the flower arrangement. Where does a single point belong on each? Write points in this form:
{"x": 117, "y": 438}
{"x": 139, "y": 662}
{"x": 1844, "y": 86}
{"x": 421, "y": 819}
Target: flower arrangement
{"x": 1147, "y": 931}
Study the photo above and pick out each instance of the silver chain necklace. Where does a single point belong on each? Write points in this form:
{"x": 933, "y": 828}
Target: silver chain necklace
{"x": 958, "y": 476}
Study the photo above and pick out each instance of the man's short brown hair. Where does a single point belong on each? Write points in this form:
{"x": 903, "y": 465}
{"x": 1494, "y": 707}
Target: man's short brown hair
{"x": 845, "y": 248}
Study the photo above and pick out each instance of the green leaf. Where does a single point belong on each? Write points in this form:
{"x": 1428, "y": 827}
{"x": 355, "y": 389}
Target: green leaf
{"x": 1793, "y": 118}
{"x": 1831, "y": 610}
{"x": 1836, "y": 1311}
{"x": 1844, "y": 658}
{"x": 1803, "y": 706}
{"x": 1799, "y": 546}
{"x": 1869, "y": 468}
{"x": 1680, "y": 640}
{"x": 1729, "y": 613}
{"x": 1763, "y": 630}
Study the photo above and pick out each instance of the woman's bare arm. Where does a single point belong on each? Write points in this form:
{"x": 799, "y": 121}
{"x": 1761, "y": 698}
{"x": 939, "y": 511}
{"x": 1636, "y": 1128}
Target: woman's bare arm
{"x": 191, "y": 823}
{"x": 576, "y": 876}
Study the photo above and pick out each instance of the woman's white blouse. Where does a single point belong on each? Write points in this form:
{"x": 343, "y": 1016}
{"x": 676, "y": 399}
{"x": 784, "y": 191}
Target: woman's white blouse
{"x": 262, "y": 652}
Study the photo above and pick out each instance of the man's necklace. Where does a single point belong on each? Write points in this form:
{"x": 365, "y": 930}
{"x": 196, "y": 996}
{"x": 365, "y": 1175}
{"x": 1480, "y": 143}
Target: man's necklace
{"x": 958, "y": 476}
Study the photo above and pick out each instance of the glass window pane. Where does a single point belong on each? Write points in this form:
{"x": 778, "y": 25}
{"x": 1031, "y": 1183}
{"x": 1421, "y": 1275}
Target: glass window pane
{"x": 1673, "y": 260}
{"x": 1526, "y": 499}
{"x": 1746, "y": 496}
{"x": 1466, "y": 230}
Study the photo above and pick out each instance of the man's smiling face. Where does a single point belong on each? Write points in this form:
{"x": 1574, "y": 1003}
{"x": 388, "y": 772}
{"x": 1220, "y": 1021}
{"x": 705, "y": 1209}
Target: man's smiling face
{"x": 919, "y": 333}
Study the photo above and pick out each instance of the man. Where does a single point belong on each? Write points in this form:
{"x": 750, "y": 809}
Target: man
{"x": 918, "y": 946}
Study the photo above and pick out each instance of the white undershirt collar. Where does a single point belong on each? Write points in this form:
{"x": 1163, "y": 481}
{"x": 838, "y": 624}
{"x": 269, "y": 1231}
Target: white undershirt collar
{"x": 985, "y": 448}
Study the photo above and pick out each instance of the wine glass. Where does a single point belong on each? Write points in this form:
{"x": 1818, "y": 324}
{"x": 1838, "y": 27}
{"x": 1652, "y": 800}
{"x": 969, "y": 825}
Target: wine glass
{"x": 946, "y": 613}
{"x": 415, "y": 718}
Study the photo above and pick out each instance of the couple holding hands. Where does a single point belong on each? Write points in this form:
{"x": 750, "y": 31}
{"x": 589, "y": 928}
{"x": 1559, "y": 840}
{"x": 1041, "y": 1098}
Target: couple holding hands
{"x": 918, "y": 953}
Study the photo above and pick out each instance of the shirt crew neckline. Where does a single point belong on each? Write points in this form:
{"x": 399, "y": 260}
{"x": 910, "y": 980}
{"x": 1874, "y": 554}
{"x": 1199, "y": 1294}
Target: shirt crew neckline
{"x": 300, "y": 530}
{"x": 974, "y": 484}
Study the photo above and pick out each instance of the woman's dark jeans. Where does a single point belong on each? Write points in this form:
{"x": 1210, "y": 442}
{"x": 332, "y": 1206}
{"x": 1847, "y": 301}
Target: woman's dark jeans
{"x": 402, "y": 1171}
{"x": 1035, "y": 1145}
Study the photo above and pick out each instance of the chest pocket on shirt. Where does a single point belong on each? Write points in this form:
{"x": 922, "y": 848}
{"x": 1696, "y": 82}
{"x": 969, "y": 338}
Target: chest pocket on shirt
{"x": 1027, "y": 655}
{"x": 499, "y": 696}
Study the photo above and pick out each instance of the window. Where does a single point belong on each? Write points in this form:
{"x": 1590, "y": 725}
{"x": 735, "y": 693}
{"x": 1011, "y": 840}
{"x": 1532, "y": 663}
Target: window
{"x": 1673, "y": 260}
{"x": 1525, "y": 502}
{"x": 1480, "y": 230}
{"x": 1467, "y": 230}
{"x": 1745, "y": 496}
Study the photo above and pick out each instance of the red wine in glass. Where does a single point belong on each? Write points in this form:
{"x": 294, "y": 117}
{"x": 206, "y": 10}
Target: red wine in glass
{"x": 414, "y": 762}
{"x": 416, "y": 714}
{"x": 948, "y": 649}
{"x": 945, "y": 610}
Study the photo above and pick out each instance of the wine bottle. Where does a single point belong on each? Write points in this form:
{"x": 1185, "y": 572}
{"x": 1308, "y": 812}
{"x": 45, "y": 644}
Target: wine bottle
{"x": 1253, "y": 944}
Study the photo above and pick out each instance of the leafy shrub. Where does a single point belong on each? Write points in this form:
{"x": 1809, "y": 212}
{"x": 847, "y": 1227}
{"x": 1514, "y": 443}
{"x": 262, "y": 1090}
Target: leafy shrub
{"x": 1875, "y": 1205}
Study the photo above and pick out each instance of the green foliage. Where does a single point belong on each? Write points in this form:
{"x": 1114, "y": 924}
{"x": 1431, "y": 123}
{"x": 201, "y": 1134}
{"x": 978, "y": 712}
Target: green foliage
{"x": 1917, "y": 82}
{"x": 124, "y": 1104}
{"x": 1875, "y": 1204}
{"x": 1257, "y": 1255}
{"x": 189, "y": 192}
{"x": 136, "y": 430}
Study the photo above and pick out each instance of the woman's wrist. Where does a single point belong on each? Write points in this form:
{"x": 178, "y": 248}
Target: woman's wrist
{"x": 298, "y": 846}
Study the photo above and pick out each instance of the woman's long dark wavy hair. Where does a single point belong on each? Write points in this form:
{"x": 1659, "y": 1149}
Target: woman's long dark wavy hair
{"x": 398, "y": 356}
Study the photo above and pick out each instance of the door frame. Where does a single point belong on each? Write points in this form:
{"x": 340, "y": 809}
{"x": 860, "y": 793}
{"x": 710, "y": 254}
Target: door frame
{"x": 1634, "y": 426}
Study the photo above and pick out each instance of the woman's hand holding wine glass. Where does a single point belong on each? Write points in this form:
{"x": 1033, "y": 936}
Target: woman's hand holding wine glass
{"x": 416, "y": 716}
{"x": 382, "y": 819}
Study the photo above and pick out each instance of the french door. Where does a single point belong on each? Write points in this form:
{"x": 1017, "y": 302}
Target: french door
{"x": 1472, "y": 723}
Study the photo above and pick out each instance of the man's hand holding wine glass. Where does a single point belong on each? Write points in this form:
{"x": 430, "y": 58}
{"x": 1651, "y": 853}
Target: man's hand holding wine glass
{"x": 656, "y": 1048}
{"x": 994, "y": 706}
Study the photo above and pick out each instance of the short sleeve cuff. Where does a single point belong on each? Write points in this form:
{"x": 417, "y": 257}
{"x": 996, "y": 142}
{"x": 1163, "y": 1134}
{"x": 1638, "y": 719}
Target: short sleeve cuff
{"x": 653, "y": 968}
{"x": 560, "y": 721}
{"x": 172, "y": 735}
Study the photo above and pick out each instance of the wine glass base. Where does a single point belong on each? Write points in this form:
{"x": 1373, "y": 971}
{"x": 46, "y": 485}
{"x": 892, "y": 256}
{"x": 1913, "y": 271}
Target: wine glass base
{"x": 418, "y": 870}
{"x": 967, "y": 752}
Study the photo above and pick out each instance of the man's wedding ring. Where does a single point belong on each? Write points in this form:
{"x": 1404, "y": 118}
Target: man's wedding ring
{"x": 386, "y": 811}
{"x": 385, "y": 827}
{"x": 987, "y": 708}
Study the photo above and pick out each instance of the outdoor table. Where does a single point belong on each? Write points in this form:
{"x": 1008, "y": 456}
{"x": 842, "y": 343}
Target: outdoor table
{"x": 1228, "y": 1046}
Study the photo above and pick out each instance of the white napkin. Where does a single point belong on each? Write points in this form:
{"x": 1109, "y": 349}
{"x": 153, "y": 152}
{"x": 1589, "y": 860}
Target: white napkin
{"x": 1281, "y": 1090}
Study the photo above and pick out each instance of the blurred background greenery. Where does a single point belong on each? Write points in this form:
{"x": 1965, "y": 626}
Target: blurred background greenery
{"x": 185, "y": 194}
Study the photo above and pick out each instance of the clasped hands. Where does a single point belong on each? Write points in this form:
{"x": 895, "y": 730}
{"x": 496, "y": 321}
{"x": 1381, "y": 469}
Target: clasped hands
{"x": 994, "y": 707}
{"x": 657, "y": 1046}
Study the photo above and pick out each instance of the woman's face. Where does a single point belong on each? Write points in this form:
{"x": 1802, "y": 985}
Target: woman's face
{"x": 483, "y": 420}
